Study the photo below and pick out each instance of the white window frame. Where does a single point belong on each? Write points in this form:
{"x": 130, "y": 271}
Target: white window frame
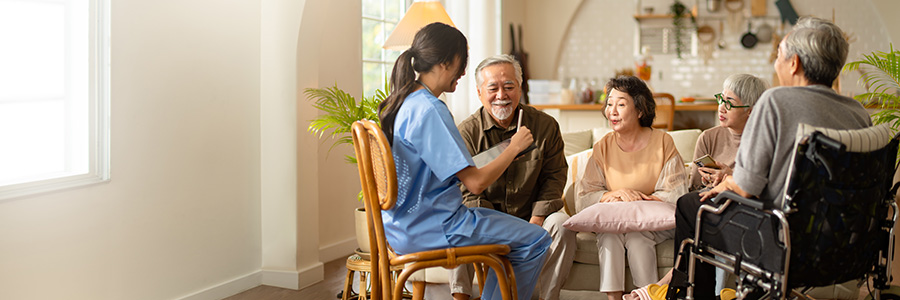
{"x": 98, "y": 115}
{"x": 386, "y": 65}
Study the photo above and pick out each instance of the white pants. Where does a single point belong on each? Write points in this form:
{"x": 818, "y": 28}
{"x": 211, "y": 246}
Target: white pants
{"x": 560, "y": 257}
{"x": 641, "y": 248}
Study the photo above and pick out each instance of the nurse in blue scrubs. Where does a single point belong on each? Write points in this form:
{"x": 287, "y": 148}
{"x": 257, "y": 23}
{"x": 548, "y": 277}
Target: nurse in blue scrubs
{"x": 431, "y": 160}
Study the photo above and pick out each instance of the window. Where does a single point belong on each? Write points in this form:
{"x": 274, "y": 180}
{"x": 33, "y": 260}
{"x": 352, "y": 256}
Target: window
{"x": 54, "y": 94}
{"x": 378, "y": 20}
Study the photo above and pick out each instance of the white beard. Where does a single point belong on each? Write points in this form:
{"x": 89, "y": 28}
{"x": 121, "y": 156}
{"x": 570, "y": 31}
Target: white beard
{"x": 502, "y": 113}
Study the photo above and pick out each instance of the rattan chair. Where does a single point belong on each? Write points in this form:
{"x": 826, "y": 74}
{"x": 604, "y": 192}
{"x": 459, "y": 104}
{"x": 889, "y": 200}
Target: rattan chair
{"x": 378, "y": 179}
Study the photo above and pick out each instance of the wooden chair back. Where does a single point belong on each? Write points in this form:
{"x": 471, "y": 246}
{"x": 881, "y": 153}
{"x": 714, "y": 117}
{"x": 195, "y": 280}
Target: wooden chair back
{"x": 665, "y": 111}
{"x": 378, "y": 180}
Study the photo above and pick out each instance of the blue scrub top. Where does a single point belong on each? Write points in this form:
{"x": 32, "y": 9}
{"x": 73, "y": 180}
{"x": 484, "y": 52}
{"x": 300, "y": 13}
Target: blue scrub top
{"x": 428, "y": 152}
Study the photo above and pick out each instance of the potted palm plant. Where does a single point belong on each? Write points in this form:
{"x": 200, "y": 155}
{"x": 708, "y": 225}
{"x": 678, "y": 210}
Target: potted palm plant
{"x": 881, "y": 77}
{"x": 339, "y": 111}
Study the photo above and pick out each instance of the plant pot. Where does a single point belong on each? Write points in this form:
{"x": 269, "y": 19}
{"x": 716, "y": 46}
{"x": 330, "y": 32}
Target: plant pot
{"x": 362, "y": 231}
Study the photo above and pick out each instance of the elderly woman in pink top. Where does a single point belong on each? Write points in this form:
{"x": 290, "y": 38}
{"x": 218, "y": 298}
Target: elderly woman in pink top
{"x": 634, "y": 162}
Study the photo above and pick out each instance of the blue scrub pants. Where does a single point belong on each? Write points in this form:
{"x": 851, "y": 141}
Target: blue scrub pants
{"x": 528, "y": 247}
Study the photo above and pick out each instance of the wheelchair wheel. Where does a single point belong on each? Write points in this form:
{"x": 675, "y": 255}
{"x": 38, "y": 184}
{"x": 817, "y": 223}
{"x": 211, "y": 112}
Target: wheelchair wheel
{"x": 892, "y": 293}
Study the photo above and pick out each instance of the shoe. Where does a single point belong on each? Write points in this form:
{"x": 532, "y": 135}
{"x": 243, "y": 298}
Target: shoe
{"x": 727, "y": 294}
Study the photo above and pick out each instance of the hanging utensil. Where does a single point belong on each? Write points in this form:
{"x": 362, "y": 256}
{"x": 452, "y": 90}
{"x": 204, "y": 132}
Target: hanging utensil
{"x": 721, "y": 35}
{"x": 713, "y": 5}
{"x": 707, "y": 37}
{"x": 764, "y": 33}
{"x": 706, "y": 34}
{"x": 735, "y": 10}
{"x": 522, "y": 56}
{"x": 748, "y": 40}
{"x": 758, "y": 8}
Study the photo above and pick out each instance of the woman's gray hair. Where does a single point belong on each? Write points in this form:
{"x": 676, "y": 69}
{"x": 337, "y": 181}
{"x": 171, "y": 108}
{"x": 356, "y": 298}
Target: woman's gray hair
{"x": 821, "y": 47}
{"x": 498, "y": 59}
{"x": 746, "y": 87}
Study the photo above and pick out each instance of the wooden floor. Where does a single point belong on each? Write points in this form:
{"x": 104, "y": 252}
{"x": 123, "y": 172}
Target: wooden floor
{"x": 336, "y": 270}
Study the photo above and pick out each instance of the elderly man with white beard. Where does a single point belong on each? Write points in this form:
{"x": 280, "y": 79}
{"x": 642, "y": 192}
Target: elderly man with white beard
{"x": 531, "y": 188}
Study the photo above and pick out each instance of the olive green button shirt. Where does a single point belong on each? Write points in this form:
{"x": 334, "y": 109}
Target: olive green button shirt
{"x": 533, "y": 184}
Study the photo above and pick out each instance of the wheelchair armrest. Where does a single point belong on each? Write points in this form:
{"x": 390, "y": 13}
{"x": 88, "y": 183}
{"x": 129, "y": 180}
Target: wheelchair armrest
{"x": 754, "y": 203}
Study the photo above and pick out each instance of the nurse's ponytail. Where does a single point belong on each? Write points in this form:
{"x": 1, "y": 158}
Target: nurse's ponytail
{"x": 434, "y": 44}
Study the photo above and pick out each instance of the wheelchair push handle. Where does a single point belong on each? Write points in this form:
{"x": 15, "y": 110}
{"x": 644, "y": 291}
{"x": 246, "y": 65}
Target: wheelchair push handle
{"x": 754, "y": 203}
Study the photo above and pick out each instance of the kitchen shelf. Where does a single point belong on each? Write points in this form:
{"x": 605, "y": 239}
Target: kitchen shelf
{"x": 570, "y": 106}
{"x": 640, "y": 17}
{"x": 659, "y": 16}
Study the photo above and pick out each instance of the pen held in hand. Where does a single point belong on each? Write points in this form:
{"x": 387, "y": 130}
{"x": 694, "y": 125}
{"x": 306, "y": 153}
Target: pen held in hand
{"x": 520, "y": 120}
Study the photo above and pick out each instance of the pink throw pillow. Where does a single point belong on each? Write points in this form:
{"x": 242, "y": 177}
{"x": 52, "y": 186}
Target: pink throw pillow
{"x": 622, "y": 217}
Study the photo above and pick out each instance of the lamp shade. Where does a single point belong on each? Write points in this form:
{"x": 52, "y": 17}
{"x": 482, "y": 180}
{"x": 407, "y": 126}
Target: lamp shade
{"x": 418, "y": 15}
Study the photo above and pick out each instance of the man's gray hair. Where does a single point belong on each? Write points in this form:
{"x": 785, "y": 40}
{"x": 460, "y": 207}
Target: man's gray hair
{"x": 746, "y": 87}
{"x": 821, "y": 47}
{"x": 498, "y": 59}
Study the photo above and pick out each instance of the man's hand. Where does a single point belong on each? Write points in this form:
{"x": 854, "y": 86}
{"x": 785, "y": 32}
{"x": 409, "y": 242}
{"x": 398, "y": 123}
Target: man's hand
{"x": 539, "y": 221}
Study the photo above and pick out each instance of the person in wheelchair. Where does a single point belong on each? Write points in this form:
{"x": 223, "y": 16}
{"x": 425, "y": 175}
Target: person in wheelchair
{"x": 809, "y": 59}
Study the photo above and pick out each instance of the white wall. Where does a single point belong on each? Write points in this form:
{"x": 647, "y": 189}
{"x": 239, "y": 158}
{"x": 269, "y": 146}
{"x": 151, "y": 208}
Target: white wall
{"x": 546, "y": 26}
{"x": 327, "y": 186}
{"x": 339, "y": 58}
{"x": 278, "y": 145}
{"x": 182, "y": 211}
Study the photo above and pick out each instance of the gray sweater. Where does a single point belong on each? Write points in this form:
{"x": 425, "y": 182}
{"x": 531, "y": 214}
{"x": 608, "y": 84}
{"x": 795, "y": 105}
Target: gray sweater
{"x": 763, "y": 159}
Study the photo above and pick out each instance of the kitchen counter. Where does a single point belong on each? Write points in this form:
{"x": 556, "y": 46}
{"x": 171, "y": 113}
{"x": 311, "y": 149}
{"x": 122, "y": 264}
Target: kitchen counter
{"x": 679, "y": 106}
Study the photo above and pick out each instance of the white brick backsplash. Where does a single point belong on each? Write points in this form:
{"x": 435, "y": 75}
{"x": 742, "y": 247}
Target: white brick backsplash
{"x": 601, "y": 40}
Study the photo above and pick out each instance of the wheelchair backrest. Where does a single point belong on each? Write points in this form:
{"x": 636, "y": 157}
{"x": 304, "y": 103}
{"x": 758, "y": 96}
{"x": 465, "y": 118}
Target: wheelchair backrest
{"x": 837, "y": 199}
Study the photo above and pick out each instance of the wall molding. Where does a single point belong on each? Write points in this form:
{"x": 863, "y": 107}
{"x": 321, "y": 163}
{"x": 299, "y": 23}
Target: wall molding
{"x": 311, "y": 275}
{"x": 282, "y": 279}
{"x": 228, "y": 288}
{"x": 338, "y": 250}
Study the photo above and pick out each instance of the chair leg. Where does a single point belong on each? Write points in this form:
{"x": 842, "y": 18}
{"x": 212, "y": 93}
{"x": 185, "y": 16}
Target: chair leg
{"x": 480, "y": 275}
{"x": 348, "y": 283}
{"x": 511, "y": 276}
{"x": 418, "y": 290}
{"x": 363, "y": 288}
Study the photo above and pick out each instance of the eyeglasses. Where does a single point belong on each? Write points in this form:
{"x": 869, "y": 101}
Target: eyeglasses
{"x": 728, "y": 105}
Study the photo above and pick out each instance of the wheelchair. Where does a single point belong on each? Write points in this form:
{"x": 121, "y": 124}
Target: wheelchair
{"x": 834, "y": 224}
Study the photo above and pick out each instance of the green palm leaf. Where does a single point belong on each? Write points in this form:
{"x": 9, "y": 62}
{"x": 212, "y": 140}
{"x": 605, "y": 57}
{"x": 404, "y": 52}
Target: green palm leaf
{"x": 881, "y": 77}
{"x": 338, "y": 112}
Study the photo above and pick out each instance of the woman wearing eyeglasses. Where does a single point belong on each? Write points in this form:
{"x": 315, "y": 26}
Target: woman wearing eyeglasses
{"x": 739, "y": 93}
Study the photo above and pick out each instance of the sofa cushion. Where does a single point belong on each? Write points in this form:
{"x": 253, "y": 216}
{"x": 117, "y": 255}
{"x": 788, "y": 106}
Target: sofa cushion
{"x": 598, "y": 133}
{"x": 577, "y": 164}
{"x": 577, "y": 141}
{"x": 622, "y": 217}
{"x": 685, "y": 142}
